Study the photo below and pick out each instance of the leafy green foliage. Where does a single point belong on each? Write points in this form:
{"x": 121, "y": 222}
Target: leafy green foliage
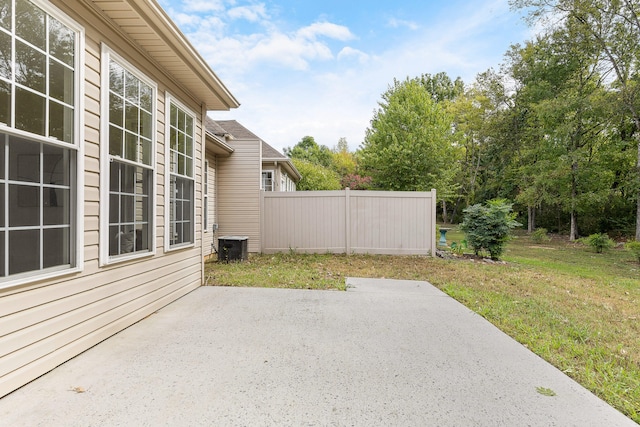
{"x": 634, "y": 248}
{"x": 315, "y": 177}
{"x": 458, "y": 248}
{"x": 598, "y": 241}
{"x": 488, "y": 227}
{"x": 408, "y": 145}
{"x": 540, "y": 235}
{"x": 309, "y": 150}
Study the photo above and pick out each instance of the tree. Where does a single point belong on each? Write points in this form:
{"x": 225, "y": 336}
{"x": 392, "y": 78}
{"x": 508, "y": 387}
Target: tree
{"x": 308, "y": 149}
{"x": 315, "y": 177}
{"x": 614, "y": 27}
{"x": 408, "y": 144}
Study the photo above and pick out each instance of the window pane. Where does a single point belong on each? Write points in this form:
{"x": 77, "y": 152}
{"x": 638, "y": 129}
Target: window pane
{"x": 30, "y": 23}
{"x": 114, "y": 241}
{"x": 55, "y": 202}
{"x": 24, "y": 205}
{"x": 25, "y": 156}
{"x": 2, "y": 254}
{"x": 127, "y": 208}
{"x": 130, "y": 146}
{"x": 61, "y": 41}
{"x": 55, "y": 165}
{"x": 5, "y": 103}
{"x": 145, "y": 151}
{"x": 5, "y": 54}
{"x": 114, "y": 208}
{"x": 131, "y": 88}
{"x": 30, "y": 111}
{"x": 114, "y": 176}
{"x": 30, "y": 67}
{"x": 116, "y": 78}
{"x": 60, "y": 122}
{"x": 131, "y": 118}
{"x": 5, "y": 14}
{"x": 146, "y": 97}
{"x": 128, "y": 178}
{"x": 55, "y": 247}
{"x": 24, "y": 251}
{"x": 173, "y": 139}
{"x": 188, "y": 146}
{"x": 188, "y": 167}
{"x": 60, "y": 82}
{"x": 116, "y": 109}
{"x": 181, "y": 143}
{"x": 115, "y": 141}
{"x": 146, "y": 124}
{"x": 142, "y": 207}
{"x": 2, "y": 207}
{"x": 181, "y": 164}
{"x": 189, "y": 126}
{"x": 174, "y": 115}
{"x": 142, "y": 237}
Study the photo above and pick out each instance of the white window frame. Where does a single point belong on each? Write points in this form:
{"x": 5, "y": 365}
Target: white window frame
{"x": 263, "y": 186}
{"x": 168, "y": 247}
{"x": 105, "y": 259}
{"x": 76, "y": 178}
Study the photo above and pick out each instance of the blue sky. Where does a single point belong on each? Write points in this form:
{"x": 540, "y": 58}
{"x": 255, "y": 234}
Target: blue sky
{"x": 319, "y": 68}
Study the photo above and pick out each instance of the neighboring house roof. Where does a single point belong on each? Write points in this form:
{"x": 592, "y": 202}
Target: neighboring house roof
{"x": 155, "y": 36}
{"x": 232, "y": 129}
{"x": 237, "y": 130}
{"x": 217, "y": 138}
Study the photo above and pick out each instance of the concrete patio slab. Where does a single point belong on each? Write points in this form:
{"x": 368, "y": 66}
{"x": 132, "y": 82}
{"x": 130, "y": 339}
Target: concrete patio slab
{"x": 383, "y": 353}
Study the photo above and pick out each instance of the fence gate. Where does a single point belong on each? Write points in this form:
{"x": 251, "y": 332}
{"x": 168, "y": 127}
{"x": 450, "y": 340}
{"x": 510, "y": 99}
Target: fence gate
{"x": 349, "y": 221}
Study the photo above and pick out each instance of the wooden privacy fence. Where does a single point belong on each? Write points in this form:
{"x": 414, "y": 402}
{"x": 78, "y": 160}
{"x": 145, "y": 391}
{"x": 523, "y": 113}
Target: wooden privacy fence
{"x": 349, "y": 221}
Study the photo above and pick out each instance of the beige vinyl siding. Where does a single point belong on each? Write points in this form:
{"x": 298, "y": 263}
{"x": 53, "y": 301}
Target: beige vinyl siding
{"x": 238, "y": 186}
{"x": 45, "y": 323}
{"x": 209, "y": 236}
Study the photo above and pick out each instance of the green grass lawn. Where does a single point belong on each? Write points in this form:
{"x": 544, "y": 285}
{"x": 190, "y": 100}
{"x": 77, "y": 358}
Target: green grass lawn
{"x": 577, "y": 309}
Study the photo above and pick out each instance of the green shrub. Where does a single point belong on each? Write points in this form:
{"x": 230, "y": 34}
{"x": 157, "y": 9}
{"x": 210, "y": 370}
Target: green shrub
{"x": 540, "y": 235}
{"x": 458, "y": 248}
{"x": 634, "y": 248}
{"x": 488, "y": 227}
{"x": 599, "y": 242}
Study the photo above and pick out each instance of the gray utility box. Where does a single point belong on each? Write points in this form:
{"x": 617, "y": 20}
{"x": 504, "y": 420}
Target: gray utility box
{"x": 233, "y": 248}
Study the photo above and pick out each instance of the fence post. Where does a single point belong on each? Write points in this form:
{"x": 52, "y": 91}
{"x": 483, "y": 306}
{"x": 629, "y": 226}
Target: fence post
{"x": 347, "y": 225}
{"x": 433, "y": 222}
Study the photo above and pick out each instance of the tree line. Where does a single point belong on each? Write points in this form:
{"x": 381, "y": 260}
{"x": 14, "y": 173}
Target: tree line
{"x": 555, "y": 128}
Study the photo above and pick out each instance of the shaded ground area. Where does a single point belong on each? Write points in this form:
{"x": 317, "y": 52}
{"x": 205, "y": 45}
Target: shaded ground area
{"x": 383, "y": 353}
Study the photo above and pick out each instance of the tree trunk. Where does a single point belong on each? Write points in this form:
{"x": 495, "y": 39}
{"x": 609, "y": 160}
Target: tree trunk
{"x": 444, "y": 211}
{"x": 531, "y": 221}
{"x": 574, "y": 227}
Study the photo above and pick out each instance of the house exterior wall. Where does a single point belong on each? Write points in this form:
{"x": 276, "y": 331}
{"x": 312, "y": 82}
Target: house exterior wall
{"x": 380, "y": 222}
{"x": 43, "y": 323}
{"x": 210, "y": 237}
{"x": 238, "y": 186}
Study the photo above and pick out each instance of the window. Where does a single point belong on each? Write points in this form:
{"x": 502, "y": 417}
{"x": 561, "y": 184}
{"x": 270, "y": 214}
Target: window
{"x": 128, "y": 166}
{"x": 205, "y": 198}
{"x": 39, "y": 115}
{"x": 181, "y": 196}
{"x": 267, "y": 181}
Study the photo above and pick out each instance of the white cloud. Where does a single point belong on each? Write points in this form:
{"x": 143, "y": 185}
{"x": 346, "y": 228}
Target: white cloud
{"x": 349, "y": 52}
{"x": 251, "y": 13}
{"x": 291, "y": 85}
{"x": 397, "y": 23}
{"x": 326, "y": 29}
{"x": 203, "y": 5}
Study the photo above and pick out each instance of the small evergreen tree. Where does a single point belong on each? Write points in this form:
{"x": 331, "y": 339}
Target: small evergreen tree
{"x": 488, "y": 227}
